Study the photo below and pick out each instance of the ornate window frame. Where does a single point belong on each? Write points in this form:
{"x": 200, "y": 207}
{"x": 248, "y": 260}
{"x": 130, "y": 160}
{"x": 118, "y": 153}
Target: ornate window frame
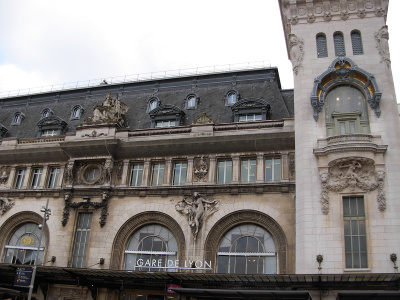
{"x": 52, "y": 122}
{"x": 17, "y": 118}
{"x": 134, "y": 224}
{"x": 150, "y": 102}
{"x": 234, "y": 219}
{"x": 14, "y": 222}
{"x": 47, "y": 112}
{"x": 76, "y": 112}
{"x": 250, "y": 106}
{"x": 189, "y": 98}
{"x": 344, "y": 71}
{"x": 227, "y": 97}
{"x": 166, "y": 113}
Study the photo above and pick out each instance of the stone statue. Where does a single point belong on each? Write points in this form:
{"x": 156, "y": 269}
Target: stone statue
{"x": 5, "y": 205}
{"x": 109, "y": 111}
{"x": 196, "y": 211}
{"x": 108, "y": 167}
{"x": 382, "y": 44}
{"x": 4, "y": 173}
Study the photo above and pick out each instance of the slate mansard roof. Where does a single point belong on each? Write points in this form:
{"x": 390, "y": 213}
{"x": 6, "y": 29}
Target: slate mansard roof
{"x": 211, "y": 90}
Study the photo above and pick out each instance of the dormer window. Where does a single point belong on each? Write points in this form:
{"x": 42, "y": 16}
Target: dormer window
{"x": 51, "y": 126}
{"x": 17, "y": 118}
{"x": 191, "y": 101}
{"x": 76, "y": 112}
{"x": 47, "y": 112}
{"x": 249, "y": 110}
{"x": 166, "y": 116}
{"x": 152, "y": 103}
{"x": 231, "y": 98}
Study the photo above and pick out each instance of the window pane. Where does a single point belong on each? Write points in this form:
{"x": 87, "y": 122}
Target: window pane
{"x": 157, "y": 174}
{"x": 338, "y": 40}
{"x": 179, "y": 173}
{"x": 136, "y": 175}
{"x": 53, "y": 178}
{"x": 224, "y": 171}
{"x": 322, "y": 50}
{"x": 356, "y": 42}
{"x": 81, "y": 240}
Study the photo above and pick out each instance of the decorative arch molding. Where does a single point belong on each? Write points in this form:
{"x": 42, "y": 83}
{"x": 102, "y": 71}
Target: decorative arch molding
{"x": 9, "y": 227}
{"x": 250, "y": 217}
{"x": 344, "y": 71}
{"x": 135, "y": 223}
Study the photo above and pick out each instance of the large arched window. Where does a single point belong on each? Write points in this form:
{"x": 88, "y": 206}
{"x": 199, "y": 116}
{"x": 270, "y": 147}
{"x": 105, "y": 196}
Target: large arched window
{"x": 22, "y": 246}
{"x": 346, "y": 111}
{"x": 151, "y": 248}
{"x": 247, "y": 249}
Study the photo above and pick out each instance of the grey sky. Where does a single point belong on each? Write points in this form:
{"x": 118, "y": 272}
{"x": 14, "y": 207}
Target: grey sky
{"x": 47, "y": 42}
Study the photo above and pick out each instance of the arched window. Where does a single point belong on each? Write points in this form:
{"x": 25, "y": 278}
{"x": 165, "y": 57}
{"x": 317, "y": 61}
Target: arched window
{"x": 22, "y": 246}
{"x": 17, "y": 118}
{"x": 152, "y": 103}
{"x": 356, "y": 42}
{"x": 346, "y": 111}
{"x": 47, "y": 112}
{"x": 247, "y": 249}
{"x": 322, "y": 50}
{"x": 151, "y": 248}
{"x": 231, "y": 97}
{"x": 338, "y": 41}
{"x": 76, "y": 112}
{"x": 191, "y": 101}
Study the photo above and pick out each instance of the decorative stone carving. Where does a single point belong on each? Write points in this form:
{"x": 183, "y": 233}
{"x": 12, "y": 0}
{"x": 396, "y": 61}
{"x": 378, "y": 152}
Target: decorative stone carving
{"x": 203, "y": 119}
{"x": 200, "y": 168}
{"x": 92, "y": 173}
{"x": 3, "y": 131}
{"x": 327, "y": 16}
{"x": 69, "y": 173}
{"x": 5, "y": 205}
{"x": 4, "y": 174}
{"x": 296, "y": 52}
{"x": 382, "y": 44}
{"x": 292, "y": 165}
{"x": 109, "y": 111}
{"x": 86, "y": 204}
{"x": 107, "y": 170}
{"x": 197, "y": 211}
{"x": 352, "y": 173}
{"x": 94, "y": 134}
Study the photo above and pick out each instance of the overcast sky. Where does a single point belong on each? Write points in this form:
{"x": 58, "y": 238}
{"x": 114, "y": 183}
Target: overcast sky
{"x": 44, "y": 42}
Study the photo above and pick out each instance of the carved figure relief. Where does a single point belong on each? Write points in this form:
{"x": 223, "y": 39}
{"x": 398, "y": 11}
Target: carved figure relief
{"x": 382, "y": 44}
{"x": 69, "y": 173}
{"x": 296, "y": 52}
{"x": 197, "y": 211}
{"x": 352, "y": 173}
{"x": 200, "y": 168}
{"x": 5, "y": 205}
{"x": 109, "y": 111}
{"x": 203, "y": 119}
{"x": 107, "y": 170}
{"x": 4, "y": 174}
{"x": 92, "y": 173}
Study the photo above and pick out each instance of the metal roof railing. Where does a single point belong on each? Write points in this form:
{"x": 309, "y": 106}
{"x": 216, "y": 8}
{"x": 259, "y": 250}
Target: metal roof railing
{"x": 137, "y": 78}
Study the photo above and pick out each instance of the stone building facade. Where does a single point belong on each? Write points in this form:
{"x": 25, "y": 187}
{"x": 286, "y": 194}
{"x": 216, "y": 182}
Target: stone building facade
{"x": 214, "y": 186}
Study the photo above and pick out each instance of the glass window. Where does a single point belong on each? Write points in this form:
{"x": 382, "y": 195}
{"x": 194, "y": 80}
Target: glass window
{"x": 17, "y": 118}
{"x": 81, "y": 240}
{"x": 76, "y": 112}
{"x": 224, "y": 171}
{"x": 166, "y": 123}
{"x": 355, "y": 236}
{"x": 136, "y": 175}
{"x": 152, "y": 104}
{"x": 248, "y": 170}
{"x": 247, "y": 249}
{"x": 36, "y": 175}
{"x": 19, "y": 179}
{"x": 152, "y": 248}
{"x": 322, "y": 49}
{"x": 22, "y": 246}
{"x": 250, "y": 117}
{"x": 157, "y": 174}
{"x": 50, "y": 132}
{"x": 45, "y": 113}
{"x": 231, "y": 98}
{"x": 272, "y": 169}
{"x": 53, "y": 178}
{"x": 191, "y": 101}
{"x": 338, "y": 41}
{"x": 356, "y": 42}
{"x": 180, "y": 169}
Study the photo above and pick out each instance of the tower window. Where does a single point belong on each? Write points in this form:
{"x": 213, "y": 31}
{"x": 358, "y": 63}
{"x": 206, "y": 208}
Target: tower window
{"x": 356, "y": 42}
{"x": 338, "y": 41}
{"x": 322, "y": 50}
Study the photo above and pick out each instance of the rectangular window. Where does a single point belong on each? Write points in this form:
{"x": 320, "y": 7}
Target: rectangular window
{"x": 36, "y": 175}
{"x": 250, "y": 117}
{"x": 157, "y": 174}
{"x": 51, "y": 132}
{"x": 19, "y": 179}
{"x": 355, "y": 237}
{"x": 272, "y": 169}
{"x": 53, "y": 178}
{"x": 180, "y": 169}
{"x": 136, "y": 175}
{"x": 81, "y": 240}
{"x": 224, "y": 171}
{"x": 165, "y": 123}
{"x": 248, "y": 171}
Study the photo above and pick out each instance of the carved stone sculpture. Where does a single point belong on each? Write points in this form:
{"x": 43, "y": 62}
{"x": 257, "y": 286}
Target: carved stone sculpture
{"x": 352, "y": 173}
{"x": 200, "y": 168}
{"x": 5, "y": 205}
{"x": 4, "y": 174}
{"x": 108, "y": 167}
{"x": 69, "y": 173}
{"x": 109, "y": 111}
{"x": 296, "y": 52}
{"x": 197, "y": 211}
{"x": 382, "y": 44}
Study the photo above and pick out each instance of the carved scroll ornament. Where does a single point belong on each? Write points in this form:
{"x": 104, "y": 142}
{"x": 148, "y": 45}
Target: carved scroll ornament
{"x": 352, "y": 173}
{"x": 296, "y": 52}
{"x": 200, "y": 168}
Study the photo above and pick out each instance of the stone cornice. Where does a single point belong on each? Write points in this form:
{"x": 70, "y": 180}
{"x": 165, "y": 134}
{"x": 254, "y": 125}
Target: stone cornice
{"x": 350, "y": 147}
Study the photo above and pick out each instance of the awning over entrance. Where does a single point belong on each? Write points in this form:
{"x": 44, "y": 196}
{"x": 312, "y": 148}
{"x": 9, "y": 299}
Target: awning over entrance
{"x": 368, "y": 295}
{"x": 243, "y": 294}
